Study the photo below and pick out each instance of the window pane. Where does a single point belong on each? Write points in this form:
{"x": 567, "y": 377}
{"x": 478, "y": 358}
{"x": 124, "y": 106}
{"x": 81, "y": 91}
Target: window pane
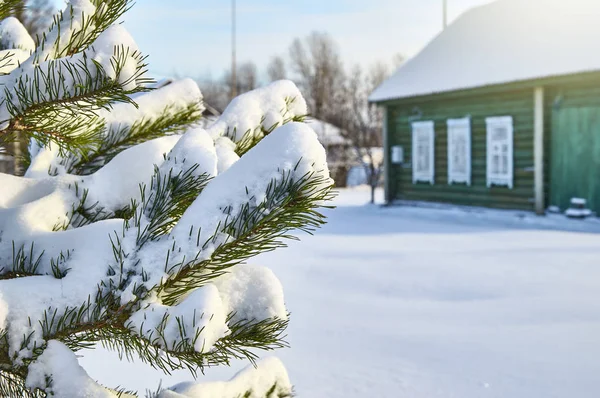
{"x": 500, "y": 133}
{"x": 499, "y": 151}
{"x": 495, "y": 164}
{"x": 460, "y": 161}
{"x": 423, "y": 152}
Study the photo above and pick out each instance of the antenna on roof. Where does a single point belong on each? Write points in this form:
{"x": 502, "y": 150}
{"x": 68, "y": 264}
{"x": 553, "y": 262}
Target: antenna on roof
{"x": 445, "y": 13}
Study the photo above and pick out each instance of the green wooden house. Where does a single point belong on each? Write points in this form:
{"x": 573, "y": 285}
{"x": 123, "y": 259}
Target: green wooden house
{"x": 501, "y": 109}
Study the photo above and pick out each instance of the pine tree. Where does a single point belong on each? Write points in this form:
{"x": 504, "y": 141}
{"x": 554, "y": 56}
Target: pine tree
{"x": 133, "y": 226}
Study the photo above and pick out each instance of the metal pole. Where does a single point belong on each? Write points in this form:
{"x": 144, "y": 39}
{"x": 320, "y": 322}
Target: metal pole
{"x": 445, "y": 11}
{"x": 233, "y": 66}
{"x": 538, "y": 149}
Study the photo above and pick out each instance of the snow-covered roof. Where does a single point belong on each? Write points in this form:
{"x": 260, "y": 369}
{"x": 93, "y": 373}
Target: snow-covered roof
{"x": 328, "y": 133}
{"x": 501, "y": 42}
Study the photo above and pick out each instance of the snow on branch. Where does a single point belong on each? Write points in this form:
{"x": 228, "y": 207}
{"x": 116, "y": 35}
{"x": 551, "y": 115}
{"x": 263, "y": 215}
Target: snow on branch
{"x": 16, "y": 45}
{"x": 255, "y": 114}
{"x": 78, "y": 26}
{"x": 57, "y": 99}
{"x": 170, "y": 110}
{"x": 81, "y": 66}
{"x": 166, "y": 111}
{"x": 160, "y": 283}
{"x": 268, "y": 378}
{"x": 133, "y": 224}
{"x": 13, "y": 35}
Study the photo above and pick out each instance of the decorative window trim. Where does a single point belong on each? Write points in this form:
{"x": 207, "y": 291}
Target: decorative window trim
{"x": 425, "y": 131}
{"x": 457, "y": 127}
{"x": 495, "y": 177}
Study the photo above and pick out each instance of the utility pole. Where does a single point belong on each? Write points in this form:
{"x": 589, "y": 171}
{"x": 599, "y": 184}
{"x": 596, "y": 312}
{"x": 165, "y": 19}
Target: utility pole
{"x": 445, "y": 13}
{"x": 233, "y": 66}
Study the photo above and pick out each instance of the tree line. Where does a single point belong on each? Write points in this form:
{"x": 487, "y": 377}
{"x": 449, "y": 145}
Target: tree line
{"x": 335, "y": 93}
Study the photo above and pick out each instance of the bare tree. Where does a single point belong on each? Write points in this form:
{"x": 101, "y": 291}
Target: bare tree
{"x": 214, "y": 92}
{"x": 397, "y": 61}
{"x": 247, "y": 77}
{"x": 317, "y": 64}
{"x": 361, "y": 122}
{"x": 276, "y": 69}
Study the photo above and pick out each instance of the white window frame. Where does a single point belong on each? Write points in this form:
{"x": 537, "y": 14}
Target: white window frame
{"x": 500, "y": 178}
{"x": 457, "y": 127}
{"x": 426, "y": 129}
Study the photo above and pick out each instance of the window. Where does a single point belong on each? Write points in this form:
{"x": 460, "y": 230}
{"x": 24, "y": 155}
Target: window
{"x": 500, "y": 151}
{"x": 459, "y": 151}
{"x": 423, "y": 152}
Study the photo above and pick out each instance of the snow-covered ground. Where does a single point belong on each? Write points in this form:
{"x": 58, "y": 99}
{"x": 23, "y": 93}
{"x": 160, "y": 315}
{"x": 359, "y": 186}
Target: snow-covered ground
{"x": 420, "y": 302}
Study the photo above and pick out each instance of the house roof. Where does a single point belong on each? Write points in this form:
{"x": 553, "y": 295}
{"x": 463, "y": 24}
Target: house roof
{"x": 502, "y": 42}
{"x": 327, "y": 133}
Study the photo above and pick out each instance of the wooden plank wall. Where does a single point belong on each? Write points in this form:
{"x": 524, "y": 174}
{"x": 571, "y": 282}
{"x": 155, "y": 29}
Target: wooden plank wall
{"x": 517, "y": 103}
{"x": 578, "y": 92}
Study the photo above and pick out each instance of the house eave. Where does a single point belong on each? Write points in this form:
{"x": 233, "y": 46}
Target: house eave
{"x": 489, "y": 88}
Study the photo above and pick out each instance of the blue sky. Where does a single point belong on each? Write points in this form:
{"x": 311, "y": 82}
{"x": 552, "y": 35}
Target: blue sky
{"x": 192, "y": 37}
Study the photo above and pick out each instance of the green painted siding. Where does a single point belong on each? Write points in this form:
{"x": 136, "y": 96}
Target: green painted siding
{"x": 516, "y": 100}
{"x": 518, "y": 104}
{"x": 573, "y": 141}
{"x": 576, "y": 156}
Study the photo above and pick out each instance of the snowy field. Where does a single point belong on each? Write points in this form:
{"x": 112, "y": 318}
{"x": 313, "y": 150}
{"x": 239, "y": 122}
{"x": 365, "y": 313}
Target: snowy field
{"x": 426, "y": 303}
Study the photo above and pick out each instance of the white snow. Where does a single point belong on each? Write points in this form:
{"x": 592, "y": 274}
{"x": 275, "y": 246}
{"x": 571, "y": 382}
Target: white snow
{"x": 430, "y": 303}
{"x": 505, "y": 41}
{"x": 578, "y": 201}
{"x": 133, "y": 167}
{"x": 31, "y": 208}
{"x": 261, "y": 109}
{"x": 104, "y": 48}
{"x": 252, "y": 292}
{"x": 75, "y": 264}
{"x": 60, "y": 363}
{"x": 171, "y": 98}
{"x": 268, "y": 373}
{"x": 194, "y": 148}
{"x": 175, "y": 96}
{"x": 578, "y": 213}
{"x": 13, "y": 35}
{"x": 292, "y": 148}
{"x": 12, "y": 59}
{"x": 17, "y": 45}
{"x": 198, "y": 320}
{"x": 226, "y": 153}
{"x": 77, "y": 14}
{"x": 101, "y": 58}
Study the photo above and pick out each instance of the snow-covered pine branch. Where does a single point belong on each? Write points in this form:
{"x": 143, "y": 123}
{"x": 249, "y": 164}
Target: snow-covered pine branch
{"x": 82, "y": 65}
{"x": 139, "y": 240}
